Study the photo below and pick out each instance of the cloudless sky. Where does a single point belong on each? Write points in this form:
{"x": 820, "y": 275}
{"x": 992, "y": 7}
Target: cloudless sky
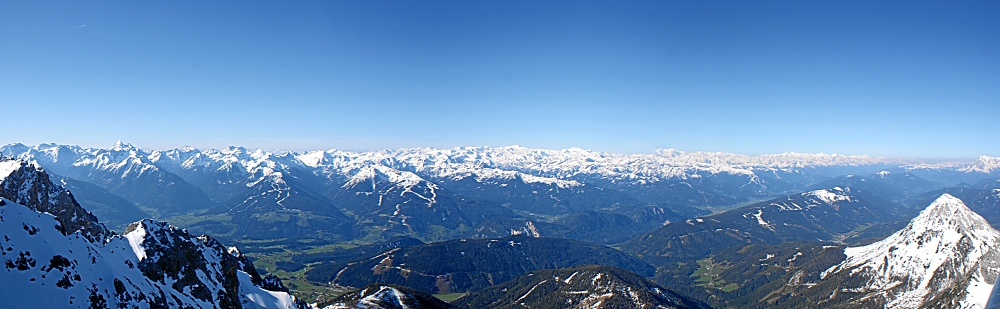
{"x": 889, "y": 78}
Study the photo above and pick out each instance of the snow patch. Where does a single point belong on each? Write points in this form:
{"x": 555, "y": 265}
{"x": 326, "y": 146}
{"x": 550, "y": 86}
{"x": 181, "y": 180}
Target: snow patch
{"x": 829, "y": 197}
{"x": 135, "y": 239}
{"x": 263, "y": 298}
{"x": 8, "y": 167}
{"x": 760, "y": 221}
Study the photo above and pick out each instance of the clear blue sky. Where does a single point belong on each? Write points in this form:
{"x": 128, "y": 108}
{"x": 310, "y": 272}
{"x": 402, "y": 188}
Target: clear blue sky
{"x": 893, "y": 78}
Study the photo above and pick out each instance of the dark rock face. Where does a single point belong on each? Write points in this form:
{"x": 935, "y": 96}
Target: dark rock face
{"x": 172, "y": 253}
{"x": 30, "y": 186}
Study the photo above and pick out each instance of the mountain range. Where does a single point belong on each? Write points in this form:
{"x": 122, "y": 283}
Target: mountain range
{"x": 439, "y": 194}
{"x": 686, "y": 230}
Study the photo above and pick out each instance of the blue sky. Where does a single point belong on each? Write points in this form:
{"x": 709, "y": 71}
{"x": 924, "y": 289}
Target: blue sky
{"x": 913, "y": 79}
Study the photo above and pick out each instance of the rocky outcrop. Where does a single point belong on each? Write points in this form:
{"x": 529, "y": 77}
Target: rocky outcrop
{"x": 27, "y": 184}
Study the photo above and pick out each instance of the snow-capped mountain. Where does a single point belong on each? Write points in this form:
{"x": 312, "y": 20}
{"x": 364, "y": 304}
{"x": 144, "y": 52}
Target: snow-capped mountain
{"x": 984, "y": 164}
{"x": 56, "y": 255}
{"x": 122, "y": 169}
{"x": 947, "y": 257}
{"x": 326, "y": 192}
{"x": 578, "y": 287}
{"x": 386, "y": 296}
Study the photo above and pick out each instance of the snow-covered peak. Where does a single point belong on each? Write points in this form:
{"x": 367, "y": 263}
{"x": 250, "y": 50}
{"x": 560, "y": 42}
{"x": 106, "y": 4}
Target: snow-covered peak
{"x": 948, "y": 213}
{"x": 883, "y": 174}
{"x": 122, "y": 146}
{"x": 985, "y": 164}
{"x": 947, "y": 246}
{"x": 378, "y": 172}
{"x": 233, "y": 150}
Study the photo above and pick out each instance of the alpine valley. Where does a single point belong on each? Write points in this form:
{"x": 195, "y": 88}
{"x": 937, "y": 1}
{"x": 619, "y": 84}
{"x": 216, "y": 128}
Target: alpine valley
{"x": 484, "y": 227}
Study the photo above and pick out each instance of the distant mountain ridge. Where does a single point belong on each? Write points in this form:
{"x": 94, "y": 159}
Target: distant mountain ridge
{"x": 435, "y": 194}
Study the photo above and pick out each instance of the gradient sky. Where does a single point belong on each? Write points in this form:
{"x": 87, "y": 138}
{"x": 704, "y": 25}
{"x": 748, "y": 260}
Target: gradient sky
{"x": 894, "y": 78}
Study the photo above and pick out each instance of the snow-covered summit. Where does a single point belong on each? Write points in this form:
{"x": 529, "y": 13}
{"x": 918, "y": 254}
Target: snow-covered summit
{"x": 123, "y": 146}
{"x": 380, "y": 173}
{"x": 984, "y": 164}
{"x": 948, "y": 247}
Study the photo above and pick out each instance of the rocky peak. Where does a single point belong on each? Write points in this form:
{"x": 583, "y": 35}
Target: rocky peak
{"x": 169, "y": 254}
{"x": 28, "y": 184}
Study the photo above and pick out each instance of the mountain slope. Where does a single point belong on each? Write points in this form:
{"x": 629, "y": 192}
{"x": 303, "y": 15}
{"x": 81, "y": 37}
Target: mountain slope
{"x": 386, "y": 296}
{"x": 590, "y": 226}
{"x": 401, "y": 203}
{"x": 819, "y": 215}
{"x": 56, "y": 255}
{"x": 895, "y": 186}
{"x": 464, "y": 265}
{"x": 577, "y": 287}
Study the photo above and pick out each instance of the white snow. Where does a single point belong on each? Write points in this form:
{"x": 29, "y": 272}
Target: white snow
{"x": 760, "y": 221}
{"x": 8, "y": 167}
{"x": 837, "y": 195}
{"x": 135, "y": 239}
{"x": 978, "y": 293}
{"x": 570, "y": 279}
{"x": 531, "y": 290}
{"x": 262, "y": 298}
